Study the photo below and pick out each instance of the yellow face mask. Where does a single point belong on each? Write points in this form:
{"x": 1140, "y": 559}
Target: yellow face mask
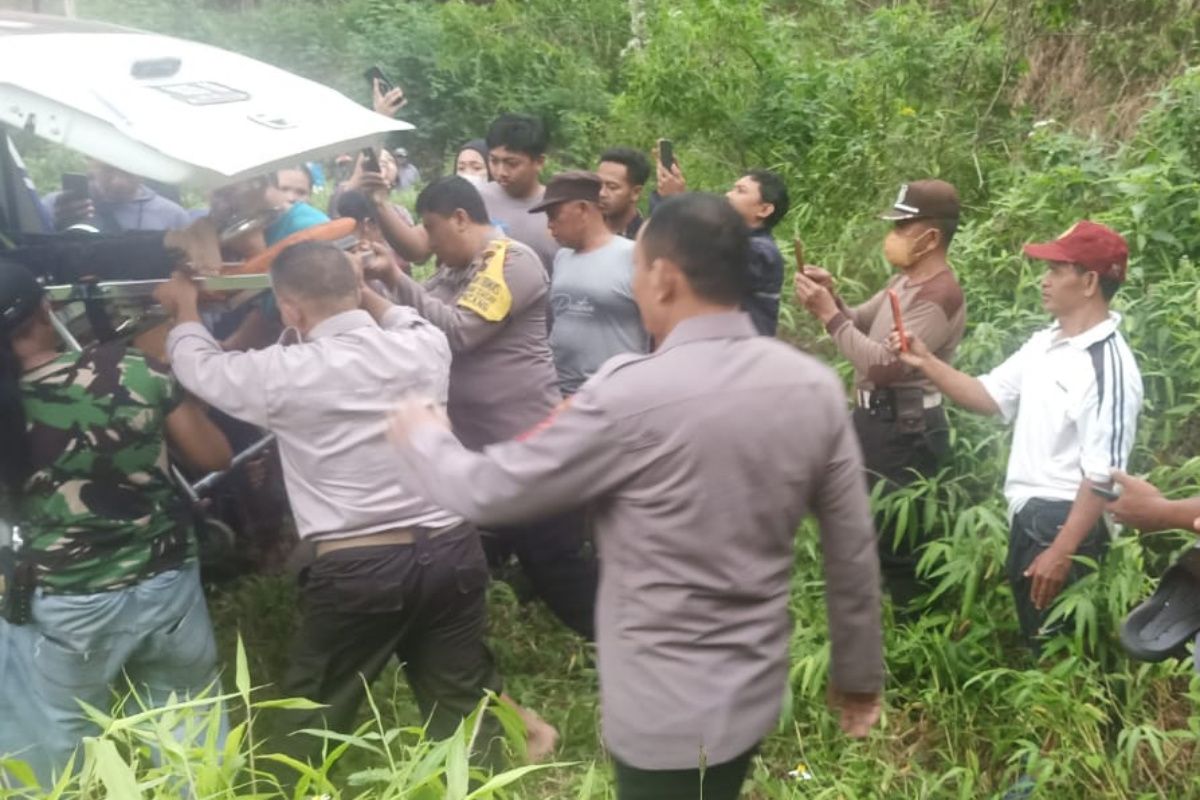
{"x": 902, "y": 253}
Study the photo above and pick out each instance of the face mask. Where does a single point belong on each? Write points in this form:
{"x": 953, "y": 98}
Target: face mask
{"x": 478, "y": 181}
{"x": 900, "y": 253}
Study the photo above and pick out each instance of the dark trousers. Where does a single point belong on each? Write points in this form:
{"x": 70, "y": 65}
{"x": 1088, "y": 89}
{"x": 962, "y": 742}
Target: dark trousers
{"x": 557, "y": 557}
{"x": 1033, "y": 530}
{"x": 424, "y": 603}
{"x": 898, "y": 458}
{"x": 719, "y": 782}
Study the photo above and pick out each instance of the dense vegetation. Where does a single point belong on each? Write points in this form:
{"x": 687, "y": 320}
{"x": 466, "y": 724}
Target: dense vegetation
{"x": 1041, "y": 112}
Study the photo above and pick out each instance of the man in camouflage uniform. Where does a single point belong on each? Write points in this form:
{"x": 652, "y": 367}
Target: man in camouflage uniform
{"x": 118, "y": 589}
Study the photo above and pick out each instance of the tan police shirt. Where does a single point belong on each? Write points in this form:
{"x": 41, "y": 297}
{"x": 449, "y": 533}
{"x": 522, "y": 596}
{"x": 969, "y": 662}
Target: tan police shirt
{"x": 934, "y": 310}
{"x": 700, "y": 461}
{"x": 326, "y": 400}
{"x": 502, "y": 378}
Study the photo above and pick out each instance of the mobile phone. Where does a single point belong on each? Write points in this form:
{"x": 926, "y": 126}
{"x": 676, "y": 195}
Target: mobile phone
{"x": 895, "y": 298}
{"x": 666, "y": 153}
{"x": 376, "y": 74}
{"x": 76, "y": 185}
{"x": 1108, "y": 494}
{"x": 370, "y": 160}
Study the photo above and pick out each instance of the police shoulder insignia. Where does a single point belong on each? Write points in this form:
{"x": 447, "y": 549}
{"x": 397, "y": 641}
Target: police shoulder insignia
{"x": 487, "y": 294}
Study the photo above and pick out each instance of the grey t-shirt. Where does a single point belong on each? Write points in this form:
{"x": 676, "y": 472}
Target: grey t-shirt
{"x": 595, "y": 318}
{"x": 514, "y": 217}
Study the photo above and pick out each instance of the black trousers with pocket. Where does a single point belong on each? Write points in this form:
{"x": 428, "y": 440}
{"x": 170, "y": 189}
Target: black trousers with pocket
{"x": 1033, "y": 530}
{"x": 424, "y": 603}
{"x": 557, "y": 556}
{"x": 897, "y": 458}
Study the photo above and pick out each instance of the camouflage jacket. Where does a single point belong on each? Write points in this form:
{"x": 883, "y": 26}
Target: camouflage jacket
{"x": 100, "y": 511}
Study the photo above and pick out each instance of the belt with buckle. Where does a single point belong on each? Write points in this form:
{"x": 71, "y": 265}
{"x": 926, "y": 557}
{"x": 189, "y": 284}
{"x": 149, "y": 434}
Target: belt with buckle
{"x": 927, "y": 400}
{"x": 378, "y": 539}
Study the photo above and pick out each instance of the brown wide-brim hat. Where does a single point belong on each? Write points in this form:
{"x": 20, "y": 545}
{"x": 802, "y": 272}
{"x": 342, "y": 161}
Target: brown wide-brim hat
{"x": 566, "y": 187}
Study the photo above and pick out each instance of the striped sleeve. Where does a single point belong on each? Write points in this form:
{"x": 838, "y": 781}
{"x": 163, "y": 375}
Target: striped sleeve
{"x": 1108, "y": 419}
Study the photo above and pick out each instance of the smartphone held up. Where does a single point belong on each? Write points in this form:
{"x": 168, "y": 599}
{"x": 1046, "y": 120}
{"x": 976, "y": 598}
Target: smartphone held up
{"x": 375, "y": 77}
{"x": 899, "y": 319}
{"x": 666, "y": 154}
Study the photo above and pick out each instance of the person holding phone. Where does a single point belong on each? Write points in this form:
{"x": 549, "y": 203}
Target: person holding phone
{"x": 899, "y": 415}
{"x": 1073, "y": 393}
{"x": 112, "y": 201}
{"x": 761, "y": 199}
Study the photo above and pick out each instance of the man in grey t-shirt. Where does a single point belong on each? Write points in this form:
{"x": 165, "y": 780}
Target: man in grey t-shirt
{"x": 591, "y": 296}
{"x": 516, "y": 154}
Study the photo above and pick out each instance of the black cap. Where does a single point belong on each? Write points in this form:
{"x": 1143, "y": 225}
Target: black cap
{"x": 928, "y": 199}
{"x": 568, "y": 186}
{"x": 20, "y": 295}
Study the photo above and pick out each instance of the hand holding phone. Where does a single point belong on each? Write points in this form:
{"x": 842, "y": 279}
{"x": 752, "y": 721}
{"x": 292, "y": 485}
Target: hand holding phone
{"x": 1109, "y": 495}
{"x": 666, "y": 154}
{"x": 375, "y": 76}
{"x": 370, "y": 161}
{"x": 899, "y": 320}
{"x": 73, "y": 205}
{"x": 76, "y": 185}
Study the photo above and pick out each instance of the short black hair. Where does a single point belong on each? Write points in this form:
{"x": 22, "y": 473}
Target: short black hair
{"x": 520, "y": 134}
{"x": 1108, "y": 284}
{"x": 708, "y": 239}
{"x": 315, "y": 271}
{"x": 355, "y": 204}
{"x": 774, "y": 191}
{"x": 637, "y": 166}
{"x": 447, "y": 195}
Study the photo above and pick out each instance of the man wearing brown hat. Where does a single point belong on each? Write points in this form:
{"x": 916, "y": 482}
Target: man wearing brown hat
{"x": 591, "y": 293}
{"x": 1073, "y": 393}
{"x": 899, "y": 416}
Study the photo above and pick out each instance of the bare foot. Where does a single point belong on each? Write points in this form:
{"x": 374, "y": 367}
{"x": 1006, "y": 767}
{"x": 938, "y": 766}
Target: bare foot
{"x": 541, "y": 738}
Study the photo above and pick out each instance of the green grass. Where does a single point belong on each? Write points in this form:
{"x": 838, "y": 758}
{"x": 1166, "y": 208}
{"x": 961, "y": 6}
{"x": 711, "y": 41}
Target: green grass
{"x": 967, "y": 711}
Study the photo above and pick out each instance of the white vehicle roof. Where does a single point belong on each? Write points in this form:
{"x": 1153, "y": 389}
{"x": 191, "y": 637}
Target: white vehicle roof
{"x": 169, "y": 109}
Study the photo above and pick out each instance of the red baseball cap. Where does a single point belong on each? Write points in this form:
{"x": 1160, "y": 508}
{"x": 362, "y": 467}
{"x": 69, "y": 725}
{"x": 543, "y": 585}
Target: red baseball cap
{"x": 1093, "y": 246}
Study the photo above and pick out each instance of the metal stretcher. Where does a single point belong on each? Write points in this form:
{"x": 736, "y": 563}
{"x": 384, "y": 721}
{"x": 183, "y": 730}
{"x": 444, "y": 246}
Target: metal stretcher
{"x": 135, "y": 300}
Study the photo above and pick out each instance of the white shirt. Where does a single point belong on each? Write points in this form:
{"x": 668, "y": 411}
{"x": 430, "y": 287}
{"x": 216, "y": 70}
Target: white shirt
{"x": 1076, "y": 402}
{"x": 326, "y": 400}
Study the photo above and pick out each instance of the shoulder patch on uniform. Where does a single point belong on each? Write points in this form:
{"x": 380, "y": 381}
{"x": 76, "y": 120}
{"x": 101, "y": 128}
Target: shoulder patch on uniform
{"x": 488, "y": 294}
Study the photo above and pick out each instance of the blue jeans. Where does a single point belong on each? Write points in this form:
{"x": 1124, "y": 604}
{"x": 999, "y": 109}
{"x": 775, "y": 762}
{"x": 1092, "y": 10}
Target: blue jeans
{"x": 157, "y": 635}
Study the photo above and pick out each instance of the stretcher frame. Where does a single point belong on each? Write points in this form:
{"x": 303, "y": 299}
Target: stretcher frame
{"x": 136, "y": 297}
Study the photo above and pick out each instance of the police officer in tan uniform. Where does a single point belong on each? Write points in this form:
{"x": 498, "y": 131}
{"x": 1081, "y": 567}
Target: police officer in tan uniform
{"x": 489, "y": 296}
{"x": 700, "y": 459}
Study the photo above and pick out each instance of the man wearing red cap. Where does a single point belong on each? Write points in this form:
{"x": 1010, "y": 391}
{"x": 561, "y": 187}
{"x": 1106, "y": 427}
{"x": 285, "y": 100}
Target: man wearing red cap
{"x": 1074, "y": 391}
